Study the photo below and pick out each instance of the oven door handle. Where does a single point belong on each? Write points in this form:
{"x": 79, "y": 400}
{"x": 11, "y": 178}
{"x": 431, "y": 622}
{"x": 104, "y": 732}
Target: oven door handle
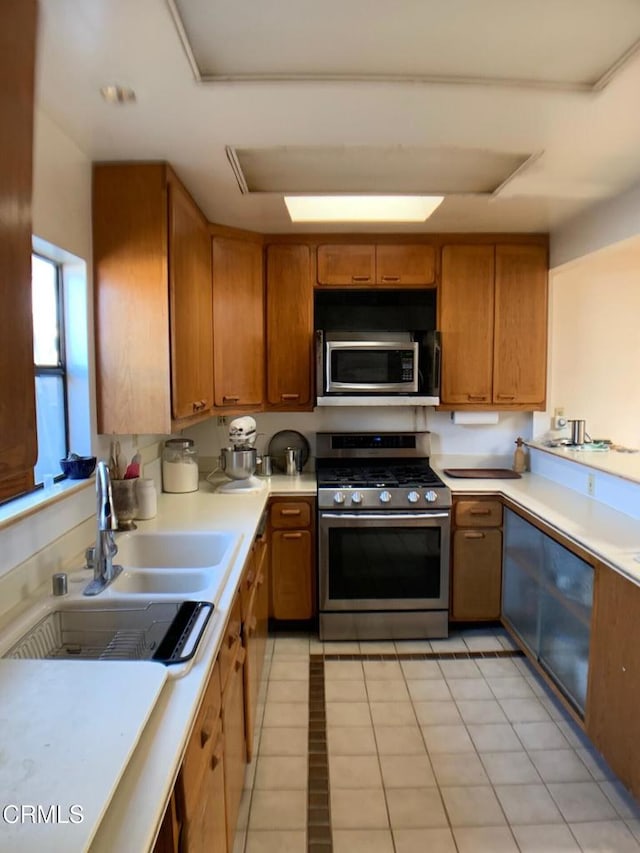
{"x": 384, "y": 516}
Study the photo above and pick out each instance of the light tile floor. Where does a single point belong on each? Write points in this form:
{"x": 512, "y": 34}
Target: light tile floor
{"x": 473, "y": 756}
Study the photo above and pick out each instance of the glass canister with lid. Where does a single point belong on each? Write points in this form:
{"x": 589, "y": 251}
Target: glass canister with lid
{"x": 179, "y": 466}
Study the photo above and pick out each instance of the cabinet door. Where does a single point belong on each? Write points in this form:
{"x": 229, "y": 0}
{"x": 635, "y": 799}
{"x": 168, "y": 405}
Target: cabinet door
{"x": 238, "y": 333}
{"x": 191, "y": 306}
{"x": 291, "y": 574}
{"x": 289, "y": 326}
{"x": 405, "y": 265}
{"x": 251, "y": 684}
{"x": 521, "y": 578}
{"x": 614, "y": 682}
{"x": 342, "y": 265}
{"x": 466, "y": 321}
{"x": 520, "y": 337}
{"x": 477, "y": 574}
{"x": 234, "y": 745}
{"x": 18, "y": 443}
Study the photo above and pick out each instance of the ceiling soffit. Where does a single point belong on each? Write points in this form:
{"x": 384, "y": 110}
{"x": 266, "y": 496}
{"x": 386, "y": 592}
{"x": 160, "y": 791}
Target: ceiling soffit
{"x": 573, "y": 45}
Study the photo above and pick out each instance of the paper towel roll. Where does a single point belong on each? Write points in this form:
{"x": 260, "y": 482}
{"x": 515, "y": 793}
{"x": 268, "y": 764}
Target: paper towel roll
{"x": 474, "y": 418}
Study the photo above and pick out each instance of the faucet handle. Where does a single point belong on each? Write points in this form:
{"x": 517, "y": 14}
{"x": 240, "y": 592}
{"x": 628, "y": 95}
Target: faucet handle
{"x": 90, "y": 557}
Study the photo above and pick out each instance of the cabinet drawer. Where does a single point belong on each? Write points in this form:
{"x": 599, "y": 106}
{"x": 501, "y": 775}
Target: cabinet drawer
{"x": 469, "y": 513}
{"x": 291, "y": 514}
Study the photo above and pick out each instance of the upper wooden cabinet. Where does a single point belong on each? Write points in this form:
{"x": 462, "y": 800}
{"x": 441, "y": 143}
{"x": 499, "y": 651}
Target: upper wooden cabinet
{"x": 386, "y": 265}
{"x": 152, "y": 290}
{"x": 493, "y": 318}
{"x": 289, "y": 327}
{"x": 18, "y": 442}
{"x": 238, "y": 329}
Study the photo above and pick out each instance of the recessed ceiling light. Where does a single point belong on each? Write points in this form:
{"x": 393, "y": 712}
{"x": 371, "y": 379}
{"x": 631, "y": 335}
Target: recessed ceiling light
{"x": 114, "y": 94}
{"x": 361, "y": 208}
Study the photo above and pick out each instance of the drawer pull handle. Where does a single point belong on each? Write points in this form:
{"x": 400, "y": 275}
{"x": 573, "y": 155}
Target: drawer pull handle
{"x": 474, "y": 535}
{"x": 480, "y": 512}
{"x": 360, "y": 278}
{"x": 251, "y": 576}
{"x": 234, "y": 634}
{"x": 289, "y": 512}
{"x": 477, "y": 397}
{"x": 292, "y": 535}
{"x": 253, "y": 624}
{"x": 506, "y": 396}
{"x": 286, "y": 397}
{"x": 199, "y": 405}
{"x": 205, "y": 736}
{"x": 260, "y": 580}
{"x": 226, "y": 399}
{"x": 240, "y": 658}
{"x": 391, "y": 278}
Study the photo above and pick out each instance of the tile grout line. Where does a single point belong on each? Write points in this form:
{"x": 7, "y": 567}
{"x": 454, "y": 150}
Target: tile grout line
{"x": 319, "y": 838}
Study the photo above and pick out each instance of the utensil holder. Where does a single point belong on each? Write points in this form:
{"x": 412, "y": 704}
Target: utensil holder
{"x": 125, "y": 502}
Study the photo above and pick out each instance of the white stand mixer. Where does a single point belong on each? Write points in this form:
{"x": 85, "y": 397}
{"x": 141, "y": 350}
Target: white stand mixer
{"x": 239, "y": 461}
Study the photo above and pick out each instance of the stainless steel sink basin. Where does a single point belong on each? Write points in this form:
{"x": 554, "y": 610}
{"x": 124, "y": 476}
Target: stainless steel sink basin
{"x": 162, "y": 582}
{"x": 175, "y": 550}
{"x": 167, "y": 632}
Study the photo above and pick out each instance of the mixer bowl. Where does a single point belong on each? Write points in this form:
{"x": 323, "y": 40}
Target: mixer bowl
{"x": 238, "y": 464}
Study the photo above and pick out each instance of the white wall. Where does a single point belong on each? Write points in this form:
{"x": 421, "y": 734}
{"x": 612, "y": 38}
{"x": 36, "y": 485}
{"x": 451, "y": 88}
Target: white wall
{"x": 595, "y": 343}
{"x": 493, "y": 443}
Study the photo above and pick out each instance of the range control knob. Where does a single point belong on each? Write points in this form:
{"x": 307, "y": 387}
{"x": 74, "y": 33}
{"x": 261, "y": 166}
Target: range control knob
{"x": 338, "y": 498}
{"x": 413, "y": 497}
{"x": 430, "y": 496}
{"x": 385, "y": 497}
{"x": 356, "y": 498}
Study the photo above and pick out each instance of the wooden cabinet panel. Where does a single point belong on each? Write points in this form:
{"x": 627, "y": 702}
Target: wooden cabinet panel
{"x": 168, "y": 840}
{"x": 290, "y": 514}
{"x": 520, "y": 339}
{"x": 289, "y": 326}
{"x": 292, "y": 561}
{"x": 238, "y": 332}
{"x": 477, "y": 571}
{"x": 405, "y": 265}
{"x": 477, "y": 513}
{"x": 148, "y": 254}
{"x": 346, "y": 264}
{"x": 231, "y": 643}
{"x": 18, "y": 442}
{"x": 466, "y": 322}
{"x": 234, "y": 745}
{"x": 191, "y": 306}
{"x": 612, "y": 720}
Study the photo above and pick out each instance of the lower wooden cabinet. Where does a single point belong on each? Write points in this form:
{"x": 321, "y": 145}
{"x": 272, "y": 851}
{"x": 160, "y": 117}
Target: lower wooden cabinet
{"x": 235, "y": 752}
{"x": 255, "y": 627}
{"x": 613, "y": 697}
{"x": 476, "y": 560}
{"x": 292, "y": 559}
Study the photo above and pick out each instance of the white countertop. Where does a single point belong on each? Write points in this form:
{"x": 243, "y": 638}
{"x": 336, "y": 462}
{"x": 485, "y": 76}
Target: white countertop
{"x": 137, "y": 805}
{"x": 617, "y": 463}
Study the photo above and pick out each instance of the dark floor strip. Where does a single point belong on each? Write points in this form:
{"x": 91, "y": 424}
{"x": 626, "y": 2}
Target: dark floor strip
{"x": 318, "y": 807}
{"x": 506, "y": 653}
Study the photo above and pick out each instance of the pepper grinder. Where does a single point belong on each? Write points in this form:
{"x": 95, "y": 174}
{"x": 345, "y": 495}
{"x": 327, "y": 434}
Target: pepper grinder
{"x": 519, "y": 457}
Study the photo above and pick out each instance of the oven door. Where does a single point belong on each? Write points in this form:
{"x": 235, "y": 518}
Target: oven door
{"x": 383, "y": 561}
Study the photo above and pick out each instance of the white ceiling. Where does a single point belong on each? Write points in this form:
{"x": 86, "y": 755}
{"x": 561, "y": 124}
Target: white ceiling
{"x": 582, "y": 143}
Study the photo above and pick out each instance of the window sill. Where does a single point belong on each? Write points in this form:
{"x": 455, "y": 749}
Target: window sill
{"x": 20, "y": 508}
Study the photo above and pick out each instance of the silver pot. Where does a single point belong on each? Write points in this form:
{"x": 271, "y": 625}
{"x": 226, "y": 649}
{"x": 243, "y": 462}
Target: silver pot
{"x": 238, "y": 464}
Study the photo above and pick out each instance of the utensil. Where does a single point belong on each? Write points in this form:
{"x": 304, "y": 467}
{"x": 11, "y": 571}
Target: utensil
{"x": 280, "y": 442}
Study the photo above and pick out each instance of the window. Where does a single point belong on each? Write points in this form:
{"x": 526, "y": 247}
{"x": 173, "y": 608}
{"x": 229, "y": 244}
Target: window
{"x": 50, "y": 368}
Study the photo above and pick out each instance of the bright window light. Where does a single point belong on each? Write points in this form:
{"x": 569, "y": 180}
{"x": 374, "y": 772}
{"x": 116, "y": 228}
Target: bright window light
{"x": 361, "y": 208}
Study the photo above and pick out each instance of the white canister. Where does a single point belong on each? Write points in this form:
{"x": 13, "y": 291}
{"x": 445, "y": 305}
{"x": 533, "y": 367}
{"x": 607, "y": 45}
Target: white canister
{"x": 147, "y": 498}
{"x": 179, "y": 466}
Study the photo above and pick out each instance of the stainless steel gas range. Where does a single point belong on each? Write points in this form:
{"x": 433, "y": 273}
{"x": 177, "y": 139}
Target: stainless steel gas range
{"x": 383, "y": 537}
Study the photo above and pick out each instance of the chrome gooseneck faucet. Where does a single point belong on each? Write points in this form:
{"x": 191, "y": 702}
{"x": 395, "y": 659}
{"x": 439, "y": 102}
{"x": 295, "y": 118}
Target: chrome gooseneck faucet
{"x": 104, "y": 572}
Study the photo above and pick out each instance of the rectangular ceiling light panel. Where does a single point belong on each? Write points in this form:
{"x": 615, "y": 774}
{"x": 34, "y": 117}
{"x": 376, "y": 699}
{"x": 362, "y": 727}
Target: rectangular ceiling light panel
{"x": 353, "y": 208}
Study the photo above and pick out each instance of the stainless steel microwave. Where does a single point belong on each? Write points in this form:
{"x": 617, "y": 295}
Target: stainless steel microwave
{"x": 355, "y": 368}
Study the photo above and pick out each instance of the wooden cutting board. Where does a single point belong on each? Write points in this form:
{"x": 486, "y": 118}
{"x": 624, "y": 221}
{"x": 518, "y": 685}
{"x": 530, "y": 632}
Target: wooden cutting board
{"x": 67, "y": 731}
{"x": 482, "y": 473}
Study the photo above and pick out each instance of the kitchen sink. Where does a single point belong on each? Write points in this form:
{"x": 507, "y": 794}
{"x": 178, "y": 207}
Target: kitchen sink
{"x": 163, "y": 582}
{"x": 175, "y": 550}
{"x": 167, "y": 632}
